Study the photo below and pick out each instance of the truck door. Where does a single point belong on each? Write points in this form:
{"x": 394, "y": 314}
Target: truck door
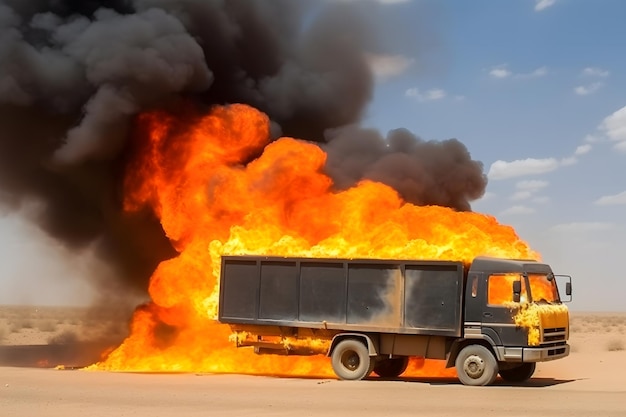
{"x": 500, "y": 308}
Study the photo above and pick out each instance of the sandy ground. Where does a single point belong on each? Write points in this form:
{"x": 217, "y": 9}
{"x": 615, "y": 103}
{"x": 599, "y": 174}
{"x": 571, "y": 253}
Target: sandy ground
{"x": 591, "y": 381}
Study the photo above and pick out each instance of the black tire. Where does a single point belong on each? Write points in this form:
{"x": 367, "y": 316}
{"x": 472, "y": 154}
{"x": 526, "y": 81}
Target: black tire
{"x": 475, "y": 365}
{"x": 391, "y": 368}
{"x": 520, "y": 373}
{"x": 351, "y": 360}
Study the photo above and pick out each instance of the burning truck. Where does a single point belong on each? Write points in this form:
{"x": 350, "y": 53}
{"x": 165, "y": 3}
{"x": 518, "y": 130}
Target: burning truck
{"x": 162, "y": 137}
{"x": 270, "y": 248}
{"x": 499, "y": 316}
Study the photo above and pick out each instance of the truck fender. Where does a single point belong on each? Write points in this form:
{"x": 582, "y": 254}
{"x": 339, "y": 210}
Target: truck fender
{"x": 372, "y": 346}
{"x": 459, "y": 344}
{"x": 491, "y": 335}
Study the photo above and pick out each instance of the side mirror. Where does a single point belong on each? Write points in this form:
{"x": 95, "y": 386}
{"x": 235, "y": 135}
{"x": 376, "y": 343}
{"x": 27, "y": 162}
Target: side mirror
{"x": 517, "y": 291}
{"x": 568, "y": 286}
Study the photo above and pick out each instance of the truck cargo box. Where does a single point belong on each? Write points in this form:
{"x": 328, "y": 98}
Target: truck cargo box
{"x": 395, "y": 296}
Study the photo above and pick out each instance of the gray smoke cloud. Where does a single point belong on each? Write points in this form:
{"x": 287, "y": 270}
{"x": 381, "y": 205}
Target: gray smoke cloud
{"x": 73, "y": 74}
{"x": 111, "y": 65}
{"x": 423, "y": 172}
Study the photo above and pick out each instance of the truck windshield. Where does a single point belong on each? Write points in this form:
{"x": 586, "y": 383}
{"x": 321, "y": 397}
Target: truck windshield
{"x": 543, "y": 289}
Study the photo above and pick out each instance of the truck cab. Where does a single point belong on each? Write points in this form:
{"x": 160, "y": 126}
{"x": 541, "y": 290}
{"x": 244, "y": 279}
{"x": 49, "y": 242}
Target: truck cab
{"x": 514, "y": 307}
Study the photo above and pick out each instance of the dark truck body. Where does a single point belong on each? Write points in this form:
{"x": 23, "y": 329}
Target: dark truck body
{"x": 394, "y": 309}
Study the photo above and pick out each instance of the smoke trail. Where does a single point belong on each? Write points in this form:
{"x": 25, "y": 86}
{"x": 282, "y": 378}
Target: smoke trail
{"x": 73, "y": 74}
{"x": 424, "y": 173}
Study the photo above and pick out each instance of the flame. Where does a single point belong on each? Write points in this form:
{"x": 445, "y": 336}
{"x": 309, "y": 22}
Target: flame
{"x": 220, "y": 187}
{"x": 500, "y": 290}
{"x": 536, "y": 317}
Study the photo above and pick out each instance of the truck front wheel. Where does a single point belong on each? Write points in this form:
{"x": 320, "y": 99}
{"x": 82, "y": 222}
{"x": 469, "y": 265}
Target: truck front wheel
{"x": 475, "y": 365}
{"x": 520, "y": 373}
{"x": 391, "y": 368}
{"x": 351, "y": 360}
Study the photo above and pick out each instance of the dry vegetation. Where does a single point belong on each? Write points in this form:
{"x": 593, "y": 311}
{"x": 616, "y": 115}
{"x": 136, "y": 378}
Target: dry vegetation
{"x": 592, "y": 332}
{"x": 24, "y": 325}
{"x": 615, "y": 345}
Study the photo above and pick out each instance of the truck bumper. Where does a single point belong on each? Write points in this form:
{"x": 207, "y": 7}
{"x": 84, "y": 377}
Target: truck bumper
{"x": 534, "y": 354}
{"x": 545, "y": 354}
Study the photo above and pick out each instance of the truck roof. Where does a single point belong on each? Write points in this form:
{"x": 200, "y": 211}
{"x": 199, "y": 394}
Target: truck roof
{"x": 481, "y": 263}
{"x": 489, "y": 264}
{"x": 338, "y": 260}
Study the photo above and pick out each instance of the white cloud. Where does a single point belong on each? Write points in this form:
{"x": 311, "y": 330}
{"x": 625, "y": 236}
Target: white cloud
{"x": 429, "y": 95}
{"x": 595, "y": 72}
{"x": 531, "y": 185}
{"x": 583, "y": 149}
{"x": 611, "y": 200}
{"x": 502, "y": 71}
{"x": 527, "y": 189}
{"x": 388, "y": 66}
{"x": 518, "y": 210}
{"x": 621, "y": 146}
{"x": 521, "y": 195}
{"x": 541, "y": 199}
{"x": 614, "y": 126}
{"x": 592, "y": 139}
{"x": 543, "y": 4}
{"x": 500, "y": 170}
{"x": 539, "y": 72}
{"x": 585, "y": 90}
{"x": 578, "y": 227}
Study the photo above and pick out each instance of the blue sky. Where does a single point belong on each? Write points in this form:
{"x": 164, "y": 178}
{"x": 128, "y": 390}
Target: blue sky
{"x": 536, "y": 90}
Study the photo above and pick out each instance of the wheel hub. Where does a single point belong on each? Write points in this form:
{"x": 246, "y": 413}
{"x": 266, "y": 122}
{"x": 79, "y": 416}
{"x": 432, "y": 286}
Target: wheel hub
{"x": 351, "y": 361}
{"x": 474, "y": 366}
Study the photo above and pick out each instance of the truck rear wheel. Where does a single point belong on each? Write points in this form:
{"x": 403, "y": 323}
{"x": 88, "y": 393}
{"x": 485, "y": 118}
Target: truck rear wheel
{"x": 391, "y": 368}
{"x": 351, "y": 360}
{"x": 475, "y": 365}
{"x": 520, "y": 373}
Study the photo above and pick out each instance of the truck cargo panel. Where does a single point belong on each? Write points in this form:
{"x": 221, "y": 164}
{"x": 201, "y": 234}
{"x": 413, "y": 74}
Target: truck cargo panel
{"x": 411, "y": 297}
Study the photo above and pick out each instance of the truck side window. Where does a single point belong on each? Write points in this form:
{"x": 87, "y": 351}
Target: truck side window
{"x": 500, "y": 289}
{"x": 474, "y": 286}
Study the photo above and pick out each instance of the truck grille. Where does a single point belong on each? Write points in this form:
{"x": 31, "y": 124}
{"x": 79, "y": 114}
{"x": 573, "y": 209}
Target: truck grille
{"x": 557, "y": 351}
{"x": 551, "y": 336}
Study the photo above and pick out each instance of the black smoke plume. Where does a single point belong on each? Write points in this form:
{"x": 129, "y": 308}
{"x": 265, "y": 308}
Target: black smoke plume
{"x": 74, "y": 73}
{"x": 423, "y": 172}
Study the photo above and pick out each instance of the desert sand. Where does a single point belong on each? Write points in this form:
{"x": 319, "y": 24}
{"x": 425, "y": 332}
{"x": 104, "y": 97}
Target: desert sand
{"x": 34, "y": 340}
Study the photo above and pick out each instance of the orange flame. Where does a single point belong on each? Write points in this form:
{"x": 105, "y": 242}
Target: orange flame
{"x": 219, "y": 187}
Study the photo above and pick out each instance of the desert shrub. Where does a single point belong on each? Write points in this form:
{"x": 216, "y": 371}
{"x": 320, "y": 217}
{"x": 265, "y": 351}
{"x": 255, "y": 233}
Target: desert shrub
{"x": 47, "y": 325}
{"x": 576, "y": 328}
{"x": 3, "y": 333}
{"x": 615, "y": 345}
{"x": 19, "y": 324}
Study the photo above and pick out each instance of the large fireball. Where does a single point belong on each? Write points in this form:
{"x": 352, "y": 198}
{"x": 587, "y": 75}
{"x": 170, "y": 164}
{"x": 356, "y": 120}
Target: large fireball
{"x": 220, "y": 187}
